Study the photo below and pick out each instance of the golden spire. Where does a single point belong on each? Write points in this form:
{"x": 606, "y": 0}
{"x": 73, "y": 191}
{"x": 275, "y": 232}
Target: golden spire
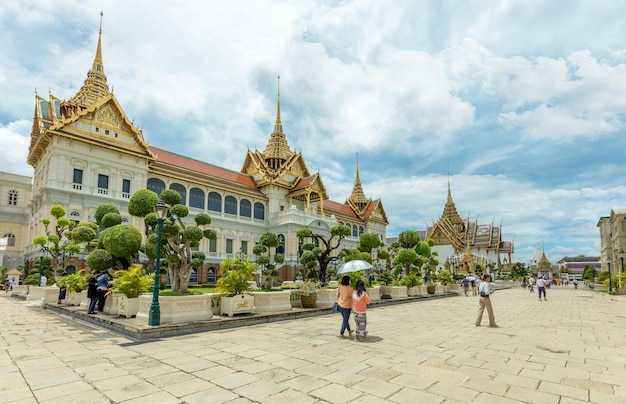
{"x": 449, "y": 211}
{"x": 95, "y": 86}
{"x": 277, "y": 150}
{"x": 358, "y": 196}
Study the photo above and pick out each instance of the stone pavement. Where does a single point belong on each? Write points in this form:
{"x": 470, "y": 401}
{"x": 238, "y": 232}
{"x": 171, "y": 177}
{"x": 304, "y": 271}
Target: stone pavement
{"x": 570, "y": 349}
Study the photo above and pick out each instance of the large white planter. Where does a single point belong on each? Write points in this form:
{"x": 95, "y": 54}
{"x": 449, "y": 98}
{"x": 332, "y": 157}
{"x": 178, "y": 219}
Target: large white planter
{"x": 35, "y": 293}
{"x": 374, "y": 293}
{"x": 238, "y": 304}
{"x": 440, "y": 289}
{"x": 112, "y": 303}
{"x": 177, "y": 309}
{"x": 398, "y": 292}
{"x": 271, "y": 302}
{"x": 75, "y": 298}
{"x": 412, "y": 291}
{"x": 50, "y": 294}
{"x": 421, "y": 291}
{"x": 326, "y": 298}
{"x": 127, "y": 306}
{"x": 20, "y": 290}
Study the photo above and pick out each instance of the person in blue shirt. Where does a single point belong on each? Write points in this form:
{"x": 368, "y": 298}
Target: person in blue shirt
{"x": 103, "y": 287}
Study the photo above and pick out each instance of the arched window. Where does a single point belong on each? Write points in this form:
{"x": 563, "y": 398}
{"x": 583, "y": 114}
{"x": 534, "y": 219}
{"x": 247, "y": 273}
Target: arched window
{"x": 355, "y": 231}
{"x": 360, "y": 230}
{"x": 156, "y": 185}
{"x": 215, "y": 202}
{"x": 245, "y": 208}
{"x": 13, "y": 197}
{"x": 230, "y": 205}
{"x": 182, "y": 191}
{"x": 340, "y": 223}
{"x": 281, "y": 244}
{"x": 259, "y": 211}
{"x": 10, "y": 239}
{"x": 196, "y": 198}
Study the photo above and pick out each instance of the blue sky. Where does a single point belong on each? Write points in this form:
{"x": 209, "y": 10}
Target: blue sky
{"x": 521, "y": 102}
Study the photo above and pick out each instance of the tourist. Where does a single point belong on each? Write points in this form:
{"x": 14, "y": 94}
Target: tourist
{"x": 484, "y": 301}
{"x": 7, "y": 286}
{"x": 473, "y": 283}
{"x": 92, "y": 292}
{"x": 541, "y": 287}
{"x": 465, "y": 283}
{"x": 344, "y": 300}
{"x": 62, "y": 291}
{"x": 360, "y": 300}
{"x": 531, "y": 284}
{"x": 103, "y": 287}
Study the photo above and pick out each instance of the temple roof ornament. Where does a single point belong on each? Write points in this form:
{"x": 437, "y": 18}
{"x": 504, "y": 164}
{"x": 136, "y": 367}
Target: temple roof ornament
{"x": 449, "y": 211}
{"x": 95, "y": 86}
{"x": 357, "y": 199}
{"x": 277, "y": 150}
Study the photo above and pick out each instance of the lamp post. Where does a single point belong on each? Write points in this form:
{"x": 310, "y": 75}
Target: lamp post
{"x": 40, "y": 269}
{"x": 621, "y": 258}
{"x": 154, "y": 317}
{"x": 608, "y": 263}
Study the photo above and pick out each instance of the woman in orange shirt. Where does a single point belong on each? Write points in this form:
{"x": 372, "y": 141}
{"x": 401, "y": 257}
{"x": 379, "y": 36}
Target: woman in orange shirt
{"x": 360, "y": 300}
{"x": 344, "y": 300}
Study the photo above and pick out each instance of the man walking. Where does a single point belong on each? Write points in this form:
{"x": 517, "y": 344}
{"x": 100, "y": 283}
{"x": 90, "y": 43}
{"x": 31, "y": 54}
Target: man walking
{"x": 541, "y": 287}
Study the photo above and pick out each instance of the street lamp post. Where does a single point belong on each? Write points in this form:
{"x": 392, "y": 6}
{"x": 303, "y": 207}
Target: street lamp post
{"x": 40, "y": 269}
{"x": 608, "y": 263}
{"x": 154, "y": 317}
{"x": 621, "y": 258}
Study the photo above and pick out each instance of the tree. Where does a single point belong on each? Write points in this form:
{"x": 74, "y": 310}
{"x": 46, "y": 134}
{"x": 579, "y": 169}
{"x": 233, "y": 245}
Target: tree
{"x": 55, "y": 237}
{"x": 519, "y": 270}
{"x": 589, "y": 273}
{"x": 267, "y": 241}
{"x": 321, "y": 254}
{"x": 408, "y": 239}
{"x": 178, "y": 237}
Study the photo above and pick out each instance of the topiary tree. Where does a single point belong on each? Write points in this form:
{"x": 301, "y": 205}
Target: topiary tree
{"x": 178, "y": 237}
{"x": 55, "y": 237}
{"x": 265, "y": 259}
{"x": 327, "y": 244}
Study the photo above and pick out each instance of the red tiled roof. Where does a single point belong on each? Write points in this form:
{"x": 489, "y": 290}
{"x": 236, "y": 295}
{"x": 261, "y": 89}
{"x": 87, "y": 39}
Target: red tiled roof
{"x": 201, "y": 167}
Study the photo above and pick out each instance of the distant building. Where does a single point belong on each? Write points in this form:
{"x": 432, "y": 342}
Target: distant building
{"x": 613, "y": 240}
{"x": 576, "y": 265}
{"x": 462, "y": 244}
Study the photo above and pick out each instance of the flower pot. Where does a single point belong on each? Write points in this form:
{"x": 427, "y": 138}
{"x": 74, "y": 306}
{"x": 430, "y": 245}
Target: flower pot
{"x": 237, "y": 304}
{"x": 385, "y": 291}
{"x": 430, "y": 289}
{"x": 308, "y": 302}
{"x": 127, "y": 306}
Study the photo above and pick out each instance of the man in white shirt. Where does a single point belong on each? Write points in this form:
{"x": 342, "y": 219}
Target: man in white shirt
{"x": 541, "y": 287}
{"x": 531, "y": 284}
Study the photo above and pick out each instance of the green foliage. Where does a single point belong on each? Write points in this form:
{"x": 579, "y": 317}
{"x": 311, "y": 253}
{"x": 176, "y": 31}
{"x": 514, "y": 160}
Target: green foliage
{"x": 102, "y": 210}
{"x": 192, "y": 233}
{"x": 411, "y": 281}
{"x": 308, "y": 288}
{"x": 279, "y": 258}
{"x": 408, "y": 239}
{"x": 259, "y": 249}
{"x": 589, "y": 273}
{"x": 202, "y": 219}
{"x": 111, "y": 219}
{"x": 74, "y": 282}
{"x": 445, "y": 278}
{"x": 171, "y": 197}
{"x": 269, "y": 239}
{"x": 99, "y": 260}
{"x": 179, "y": 210}
{"x": 234, "y": 276}
{"x": 385, "y": 278}
{"x": 209, "y": 234}
{"x": 308, "y": 246}
{"x": 83, "y": 234}
{"x": 142, "y": 202}
{"x": 40, "y": 240}
{"x": 57, "y": 211}
{"x": 122, "y": 240}
{"x": 132, "y": 282}
{"x": 170, "y": 230}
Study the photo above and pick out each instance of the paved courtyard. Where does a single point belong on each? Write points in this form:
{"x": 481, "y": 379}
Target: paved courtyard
{"x": 570, "y": 349}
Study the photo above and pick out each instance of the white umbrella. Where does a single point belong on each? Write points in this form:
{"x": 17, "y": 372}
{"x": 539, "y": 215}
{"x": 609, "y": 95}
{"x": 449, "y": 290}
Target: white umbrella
{"x": 353, "y": 266}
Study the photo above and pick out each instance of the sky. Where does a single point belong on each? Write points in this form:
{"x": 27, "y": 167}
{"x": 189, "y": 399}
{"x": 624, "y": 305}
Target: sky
{"x": 518, "y": 105}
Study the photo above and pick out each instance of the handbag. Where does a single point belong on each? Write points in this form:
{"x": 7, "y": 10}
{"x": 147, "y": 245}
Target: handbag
{"x": 336, "y": 307}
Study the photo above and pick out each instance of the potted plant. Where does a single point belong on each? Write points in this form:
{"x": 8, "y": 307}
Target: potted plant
{"x": 234, "y": 280}
{"x": 411, "y": 282}
{"x": 308, "y": 294}
{"x": 385, "y": 279}
{"x": 75, "y": 284}
{"x": 129, "y": 284}
{"x": 445, "y": 278}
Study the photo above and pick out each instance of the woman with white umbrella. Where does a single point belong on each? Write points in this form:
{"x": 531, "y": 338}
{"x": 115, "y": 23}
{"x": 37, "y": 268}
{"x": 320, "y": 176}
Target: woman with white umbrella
{"x": 344, "y": 300}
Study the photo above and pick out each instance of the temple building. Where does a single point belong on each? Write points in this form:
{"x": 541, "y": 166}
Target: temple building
{"x": 463, "y": 244}
{"x": 85, "y": 151}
